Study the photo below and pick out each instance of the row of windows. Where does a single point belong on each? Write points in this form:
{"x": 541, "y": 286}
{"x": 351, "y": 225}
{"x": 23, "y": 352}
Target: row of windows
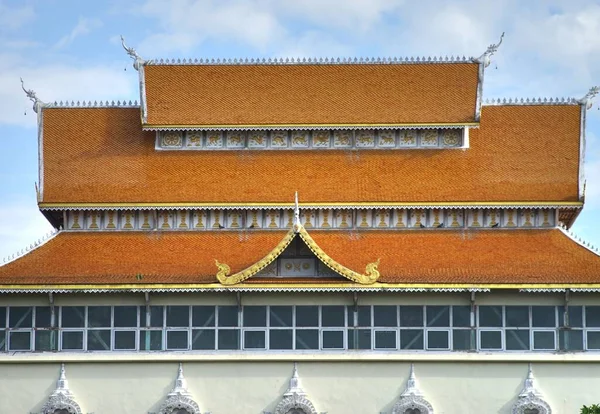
{"x": 327, "y": 327}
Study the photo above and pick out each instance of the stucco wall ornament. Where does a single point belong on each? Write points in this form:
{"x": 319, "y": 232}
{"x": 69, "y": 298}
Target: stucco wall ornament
{"x": 62, "y": 398}
{"x": 179, "y": 398}
{"x": 294, "y": 399}
{"x": 486, "y": 57}
{"x": 37, "y": 103}
{"x": 137, "y": 60}
{"x": 587, "y": 100}
{"x": 530, "y": 400}
{"x": 412, "y": 400}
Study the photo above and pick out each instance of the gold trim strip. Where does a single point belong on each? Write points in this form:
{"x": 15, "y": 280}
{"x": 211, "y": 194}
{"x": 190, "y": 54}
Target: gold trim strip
{"x": 292, "y": 126}
{"x": 318, "y": 204}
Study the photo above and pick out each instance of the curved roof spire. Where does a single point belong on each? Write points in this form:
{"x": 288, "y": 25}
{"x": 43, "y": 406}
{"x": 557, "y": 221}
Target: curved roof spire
{"x": 485, "y": 58}
{"x": 137, "y": 60}
{"x": 37, "y": 103}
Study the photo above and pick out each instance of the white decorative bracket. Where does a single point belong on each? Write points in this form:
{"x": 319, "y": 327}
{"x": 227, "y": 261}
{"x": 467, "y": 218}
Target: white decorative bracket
{"x": 179, "y": 398}
{"x": 530, "y": 400}
{"x": 62, "y": 398}
{"x": 587, "y": 100}
{"x": 412, "y": 399}
{"x": 137, "y": 60}
{"x": 296, "y": 213}
{"x": 295, "y": 399}
{"x": 486, "y": 57}
{"x": 37, "y": 103}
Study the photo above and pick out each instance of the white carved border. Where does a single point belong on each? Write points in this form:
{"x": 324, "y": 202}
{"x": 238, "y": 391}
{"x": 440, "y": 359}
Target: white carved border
{"x": 531, "y": 398}
{"x": 412, "y": 397}
{"x": 61, "y": 398}
{"x": 295, "y": 397}
{"x": 179, "y": 397}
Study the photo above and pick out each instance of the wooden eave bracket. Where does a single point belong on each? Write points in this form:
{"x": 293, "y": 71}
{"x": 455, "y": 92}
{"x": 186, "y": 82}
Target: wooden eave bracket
{"x": 369, "y": 277}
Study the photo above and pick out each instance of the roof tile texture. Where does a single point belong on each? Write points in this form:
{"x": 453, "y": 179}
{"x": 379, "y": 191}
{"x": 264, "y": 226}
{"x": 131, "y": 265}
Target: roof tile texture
{"x": 519, "y": 153}
{"x": 420, "y": 256}
{"x": 310, "y": 94}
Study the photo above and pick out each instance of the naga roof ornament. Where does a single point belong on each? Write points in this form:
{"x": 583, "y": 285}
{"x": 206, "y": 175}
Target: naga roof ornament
{"x": 137, "y": 60}
{"x": 587, "y": 99}
{"x": 486, "y": 57}
{"x": 37, "y": 103}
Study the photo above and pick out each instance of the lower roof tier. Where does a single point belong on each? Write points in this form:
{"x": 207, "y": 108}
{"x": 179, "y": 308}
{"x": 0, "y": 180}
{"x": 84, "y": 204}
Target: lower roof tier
{"x": 421, "y": 258}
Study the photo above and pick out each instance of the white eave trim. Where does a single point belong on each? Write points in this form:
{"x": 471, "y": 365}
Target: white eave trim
{"x": 580, "y": 241}
{"x": 45, "y": 239}
{"x": 297, "y": 127}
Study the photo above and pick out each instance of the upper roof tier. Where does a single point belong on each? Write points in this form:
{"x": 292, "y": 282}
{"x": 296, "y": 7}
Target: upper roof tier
{"x": 520, "y": 153}
{"x": 275, "y": 95}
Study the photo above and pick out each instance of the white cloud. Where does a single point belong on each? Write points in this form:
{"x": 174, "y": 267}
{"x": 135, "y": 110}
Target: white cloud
{"x": 83, "y": 27}
{"x": 12, "y": 18}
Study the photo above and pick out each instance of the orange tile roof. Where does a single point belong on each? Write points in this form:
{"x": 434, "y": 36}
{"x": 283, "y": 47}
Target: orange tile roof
{"x": 413, "y": 257}
{"x": 310, "y": 94}
{"x": 519, "y": 153}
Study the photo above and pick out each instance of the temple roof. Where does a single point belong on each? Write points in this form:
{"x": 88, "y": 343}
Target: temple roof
{"x": 415, "y": 258}
{"x": 524, "y": 153}
{"x": 310, "y": 94}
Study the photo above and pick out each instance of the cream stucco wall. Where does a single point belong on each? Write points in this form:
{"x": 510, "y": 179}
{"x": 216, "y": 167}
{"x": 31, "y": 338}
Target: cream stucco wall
{"x": 334, "y": 387}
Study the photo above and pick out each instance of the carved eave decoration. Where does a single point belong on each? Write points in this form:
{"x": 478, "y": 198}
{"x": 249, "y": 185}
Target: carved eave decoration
{"x": 530, "y": 398}
{"x": 295, "y": 398}
{"x": 61, "y": 398}
{"x": 412, "y": 398}
{"x": 179, "y": 398}
{"x": 226, "y": 278}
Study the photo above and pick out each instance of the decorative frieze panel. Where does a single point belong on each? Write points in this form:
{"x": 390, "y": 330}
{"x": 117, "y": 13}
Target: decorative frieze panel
{"x": 311, "y": 139}
{"x": 323, "y": 218}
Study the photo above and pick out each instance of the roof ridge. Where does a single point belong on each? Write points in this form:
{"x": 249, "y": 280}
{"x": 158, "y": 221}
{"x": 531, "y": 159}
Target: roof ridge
{"x": 314, "y": 60}
{"x": 40, "y": 242}
{"x": 94, "y": 104}
{"x": 532, "y": 101}
{"x": 587, "y": 245}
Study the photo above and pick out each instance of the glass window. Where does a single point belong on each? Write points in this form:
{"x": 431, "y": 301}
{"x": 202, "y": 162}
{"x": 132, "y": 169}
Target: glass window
{"x": 45, "y": 341}
{"x": 359, "y": 339}
{"x": 575, "y": 316}
{"x": 437, "y": 316}
{"x": 126, "y": 317}
{"x": 2, "y": 340}
{"x": 229, "y": 339}
{"x": 203, "y": 339}
{"x": 228, "y": 316}
{"x": 307, "y": 339}
{"x": 307, "y": 316}
{"x": 385, "y": 316}
{"x": 463, "y": 339}
{"x": 571, "y": 340}
{"x": 72, "y": 340}
{"x": 543, "y": 340}
{"x": 255, "y": 339}
{"x": 280, "y": 339}
{"x": 203, "y": 316}
{"x": 280, "y": 316}
{"x": 385, "y": 340}
{"x": 438, "y": 340}
{"x": 517, "y": 316}
{"x": 177, "y": 339}
{"x": 150, "y": 340}
{"x": 517, "y": 340}
{"x": 332, "y": 316}
{"x": 43, "y": 317}
{"x": 2, "y": 317}
{"x": 178, "y": 316}
{"x": 20, "y": 317}
{"x": 99, "y": 316}
{"x": 491, "y": 339}
{"x": 156, "y": 316}
{"x": 20, "y": 341}
{"x": 364, "y": 316}
{"x": 255, "y": 316}
{"x": 543, "y": 316}
{"x": 490, "y": 316}
{"x": 72, "y": 316}
{"x": 98, "y": 340}
{"x": 461, "y": 316}
{"x": 124, "y": 339}
{"x": 411, "y": 339}
{"x": 333, "y": 339}
{"x": 592, "y": 316}
{"x": 411, "y": 316}
{"x": 593, "y": 340}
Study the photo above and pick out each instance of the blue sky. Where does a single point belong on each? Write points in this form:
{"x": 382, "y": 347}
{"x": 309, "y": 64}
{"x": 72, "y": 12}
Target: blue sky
{"x": 69, "y": 49}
